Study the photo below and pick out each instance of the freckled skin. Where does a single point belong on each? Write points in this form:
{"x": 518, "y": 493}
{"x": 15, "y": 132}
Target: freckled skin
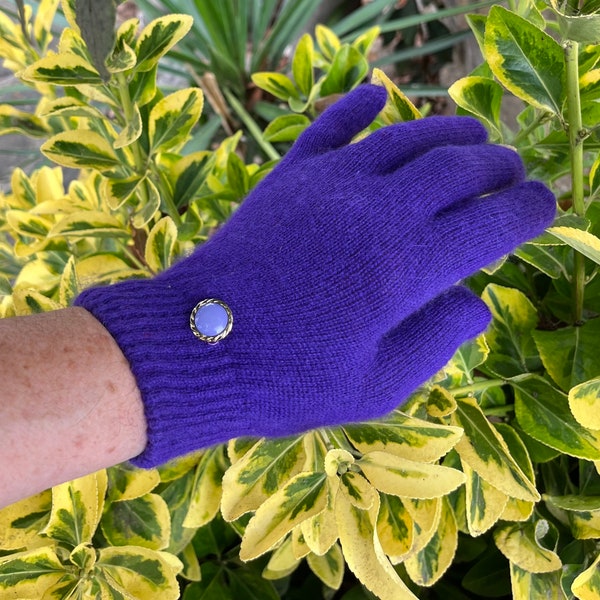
{"x": 69, "y": 404}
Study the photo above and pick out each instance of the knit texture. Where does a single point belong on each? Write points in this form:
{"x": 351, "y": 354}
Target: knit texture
{"x": 340, "y": 270}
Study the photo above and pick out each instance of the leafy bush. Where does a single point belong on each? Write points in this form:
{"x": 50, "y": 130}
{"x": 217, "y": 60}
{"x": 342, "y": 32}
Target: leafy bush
{"x": 485, "y": 482}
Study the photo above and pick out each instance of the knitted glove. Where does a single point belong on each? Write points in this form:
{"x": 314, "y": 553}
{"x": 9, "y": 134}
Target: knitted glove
{"x": 337, "y": 271}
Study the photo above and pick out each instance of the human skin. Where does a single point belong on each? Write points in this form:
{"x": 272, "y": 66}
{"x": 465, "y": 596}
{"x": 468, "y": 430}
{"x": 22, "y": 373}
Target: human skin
{"x": 69, "y": 404}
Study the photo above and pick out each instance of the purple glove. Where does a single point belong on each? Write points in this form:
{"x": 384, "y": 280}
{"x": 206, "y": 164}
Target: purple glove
{"x": 338, "y": 270}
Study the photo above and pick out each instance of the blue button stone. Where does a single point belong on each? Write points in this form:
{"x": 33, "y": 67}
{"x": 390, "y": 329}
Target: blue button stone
{"x": 211, "y": 319}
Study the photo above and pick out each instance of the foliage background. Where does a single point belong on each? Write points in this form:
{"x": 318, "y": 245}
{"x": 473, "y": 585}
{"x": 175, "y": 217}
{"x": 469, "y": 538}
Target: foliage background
{"x": 485, "y": 485}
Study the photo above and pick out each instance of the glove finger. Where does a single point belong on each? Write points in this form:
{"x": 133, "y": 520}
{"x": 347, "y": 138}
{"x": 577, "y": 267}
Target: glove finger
{"x": 391, "y": 147}
{"x": 422, "y": 344}
{"x": 482, "y": 230}
{"x": 452, "y": 174}
{"x": 341, "y": 121}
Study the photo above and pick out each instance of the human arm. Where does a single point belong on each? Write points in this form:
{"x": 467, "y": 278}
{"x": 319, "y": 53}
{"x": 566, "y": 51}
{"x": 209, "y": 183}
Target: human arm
{"x": 69, "y": 404}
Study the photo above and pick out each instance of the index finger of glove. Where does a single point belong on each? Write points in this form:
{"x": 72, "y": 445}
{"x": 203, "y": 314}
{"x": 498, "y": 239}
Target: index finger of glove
{"x": 391, "y": 147}
{"x": 342, "y": 121}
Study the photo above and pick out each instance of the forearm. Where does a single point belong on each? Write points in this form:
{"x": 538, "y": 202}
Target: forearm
{"x": 69, "y": 404}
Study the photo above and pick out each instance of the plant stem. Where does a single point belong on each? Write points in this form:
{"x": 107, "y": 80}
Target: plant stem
{"x": 250, "y": 123}
{"x": 479, "y": 386}
{"x": 576, "y": 137}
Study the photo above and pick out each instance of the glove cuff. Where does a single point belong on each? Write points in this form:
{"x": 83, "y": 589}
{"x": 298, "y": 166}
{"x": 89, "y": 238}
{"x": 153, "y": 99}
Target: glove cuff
{"x": 187, "y": 386}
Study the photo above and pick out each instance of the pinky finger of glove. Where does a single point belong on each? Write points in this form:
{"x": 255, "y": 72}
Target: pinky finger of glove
{"x": 421, "y": 345}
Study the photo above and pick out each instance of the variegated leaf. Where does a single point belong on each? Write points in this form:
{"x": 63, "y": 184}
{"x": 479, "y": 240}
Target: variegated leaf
{"x": 283, "y": 562}
{"x": 395, "y": 527}
{"x": 259, "y": 474}
{"x": 533, "y": 586}
{"x": 21, "y": 522}
{"x": 62, "y": 69}
{"x": 329, "y": 567}
{"x": 81, "y": 148}
{"x": 586, "y": 585}
{"x": 304, "y": 496}
{"x": 584, "y": 401}
{"x": 398, "y": 107}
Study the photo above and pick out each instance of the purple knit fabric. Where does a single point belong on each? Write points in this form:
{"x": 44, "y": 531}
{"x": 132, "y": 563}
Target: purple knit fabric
{"x": 339, "y": 269}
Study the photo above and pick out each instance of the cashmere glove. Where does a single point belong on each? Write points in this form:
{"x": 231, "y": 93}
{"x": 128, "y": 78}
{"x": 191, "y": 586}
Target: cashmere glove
{"x": 339, "y": 272}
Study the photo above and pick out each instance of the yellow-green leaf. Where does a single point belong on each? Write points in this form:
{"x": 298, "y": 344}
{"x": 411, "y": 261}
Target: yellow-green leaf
{"x": 158, "y": 37}
{"x": 190, "y": 174}
{"x": 533, "y": 586}
{"x": 525, "y": 59}
{"x": 304, "y": 496}
{"x": 149, "y": 203}
{"x": 583, "y": 513}
{"x": 132, "y": 131}
{"x": 277, "y": 84}
{"x": 21, "y": 522}
{"x": 286, "y": 128}
{"x": 118, "y": 191}
{"x": 140, "y": 572}
{"x": 104, "y": 268}
{"x": 584, "y": 401}
{"x": 328, "y": 42}
{"x": 329, "y": 567}
{"x": 440, "y": 402}
{"x": 404, "y": 436}
{"x": 583, "y": 241}
{"x": 89, "y": 224}
{"x": 29, "y": 302}
{"x": 347, "y": 70}
{"x": 13, "y": 120}
{"x": 398, "y": 107}
{"x": 363, "y": 552}
{"x": 365, "y": 40}
{"x": 62, "y": 69}
{"x": 543, "y": 413}
{"x": 172, "y": 118}
{"x": 207, "y": 489}
{"x": 160, "y": 245}
{"x": 521, "y": 543}
{"x": 29, "y": 574}
{"x": 81, "y": 149}
{"x": 395, "y": 527}
{"x": 69, "y": 285}
{"x": 320, "y": 532}
{"x": 259, "y": 474}
{"x": 142, "y": 521}
{"x": 402, "y": 477}
{"x": 431, "y": 562}
{"x": 360, "y": 492}
{"x": 25, "y": 223}
{"x": 127, "y": 483}
{"x": 76, "y": 509}
{"x": 283, "y": 562}
{"x": 302, "y": 64}
{"x": 586, "y": 585}
{"x": 484, "y": 503}
{"x": 486, "y": 452}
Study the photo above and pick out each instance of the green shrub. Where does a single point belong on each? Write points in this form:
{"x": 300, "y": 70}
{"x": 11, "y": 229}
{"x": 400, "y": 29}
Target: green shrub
{"x": 485, "y": 482}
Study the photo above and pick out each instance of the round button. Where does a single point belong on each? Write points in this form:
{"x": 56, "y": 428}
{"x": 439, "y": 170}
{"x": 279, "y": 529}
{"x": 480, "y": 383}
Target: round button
{"x": 211, "y": 320}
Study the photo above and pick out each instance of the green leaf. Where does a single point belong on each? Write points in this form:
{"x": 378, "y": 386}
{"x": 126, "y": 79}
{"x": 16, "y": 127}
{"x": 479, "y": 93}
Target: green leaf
{"x": 149, "y": 205}
{"x": 140, "y": 572}
{"x": 481, "y": 97}
{"x": 190, "y": 175}
{"x": 302, "y": 64}
{"x": 404, "y": 436}
{"x": 143, "y": 521}
{"x": 27, "y": 574}
{"x": 286, "y": 128}
{"x": 158, "y": 37}
{"x": 160, "y": 245}
{"x": 543, "y": 413}
{"x": 172, "y": 118}
{"x": 513, "y": 350}
{"x": 526, "y": 60}
{"x": 486, "y": 452}
{"x": 259, "y": 474}
{"x": 348, "y": 69}
{"x": 76, "y": 509}
{"x": 365, "y": 40}
{"x": 583, "y": 513}
{"x": 277, "y": 84}
{"x": 213, "y": 585}
{"x": 304, "y": 496}
{"x": 81, "y": 149}
{"x": 249, "y": 585}
{"x": 96, "y": 21}
{"x": 523, "y": 545}
{"x": 62, "y": 69}
{"x": 132, "y": 131}
{"x": 570, "y": 354}
{"x": 583, "y": 402}
{"x": 583, "y": 28}
{"x": 428, "y": 565}
{"x": 583, "y": 241}
{"x": 237, "y": 176}
{"x": 118, "y": 191}
{"x": 543, "y": 257}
